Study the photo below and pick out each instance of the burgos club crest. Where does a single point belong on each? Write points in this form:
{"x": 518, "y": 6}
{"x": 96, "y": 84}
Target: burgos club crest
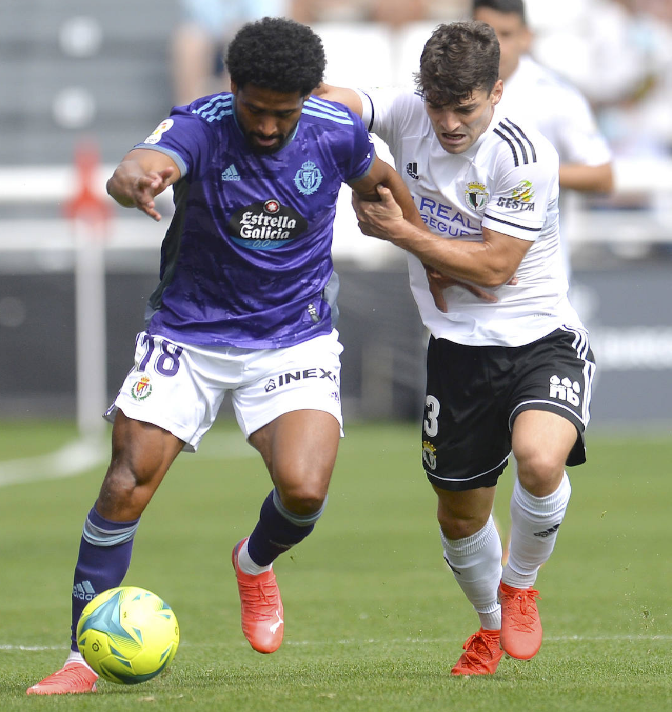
{"x": 308, "y": 178}
{"x": 477, "y": 196}
{"x": 142, "y": 389}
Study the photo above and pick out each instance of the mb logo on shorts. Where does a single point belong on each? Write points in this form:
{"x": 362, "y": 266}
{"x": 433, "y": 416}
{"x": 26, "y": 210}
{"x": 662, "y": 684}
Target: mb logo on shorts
{"x": 565, "y": 390}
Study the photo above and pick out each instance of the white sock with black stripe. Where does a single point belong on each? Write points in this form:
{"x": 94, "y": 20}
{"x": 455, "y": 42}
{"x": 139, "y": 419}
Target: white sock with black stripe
{"x": 534, "y": 529}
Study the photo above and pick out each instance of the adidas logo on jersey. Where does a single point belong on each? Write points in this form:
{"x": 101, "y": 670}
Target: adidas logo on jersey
{"x": 565, "y": 390}
{"x": 83, "y": 591}
{"x": 230, "y": 173}
{"x": 412, "y": 170}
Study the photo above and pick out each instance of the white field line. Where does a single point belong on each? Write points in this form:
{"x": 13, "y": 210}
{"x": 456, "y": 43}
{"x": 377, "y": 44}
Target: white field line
{"x": 404, "y": 641}
{"x": 81, "y": 455}
{"x": 71, "y": 460}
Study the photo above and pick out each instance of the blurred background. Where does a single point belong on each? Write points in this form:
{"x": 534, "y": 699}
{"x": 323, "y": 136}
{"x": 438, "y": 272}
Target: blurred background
{"x": 82, "y": 82}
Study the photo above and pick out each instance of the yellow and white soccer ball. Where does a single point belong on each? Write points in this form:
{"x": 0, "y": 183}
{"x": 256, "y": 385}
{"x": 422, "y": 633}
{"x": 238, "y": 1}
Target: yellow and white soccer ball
{"x": 128, "y": 635}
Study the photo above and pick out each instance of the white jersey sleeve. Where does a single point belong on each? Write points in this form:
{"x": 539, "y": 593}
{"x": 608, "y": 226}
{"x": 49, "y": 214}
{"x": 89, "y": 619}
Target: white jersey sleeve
{"x": 392, "y": 114}
{"x": 524, "y": 182}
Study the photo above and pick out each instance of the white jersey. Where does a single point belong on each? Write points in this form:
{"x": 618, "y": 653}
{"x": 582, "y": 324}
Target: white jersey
{"x": 538, "y": 97}
{"x": 508, "y": 182}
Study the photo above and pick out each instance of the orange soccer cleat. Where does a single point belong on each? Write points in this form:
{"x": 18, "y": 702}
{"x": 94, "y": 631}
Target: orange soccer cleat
{"x": 72, "y": 678}
{"x": 482, "y": 654}
{"x": 260, "y": 607}
{"x": 521, "y": 625}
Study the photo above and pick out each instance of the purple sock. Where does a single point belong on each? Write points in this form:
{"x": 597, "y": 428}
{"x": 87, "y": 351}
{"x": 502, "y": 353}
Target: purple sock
{"x": 104, "y": 558}
{"x": 278, "y": 529}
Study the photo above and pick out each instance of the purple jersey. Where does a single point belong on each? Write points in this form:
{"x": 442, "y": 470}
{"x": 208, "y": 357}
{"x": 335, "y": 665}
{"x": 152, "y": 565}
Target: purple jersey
{"x": 246, "y": 260}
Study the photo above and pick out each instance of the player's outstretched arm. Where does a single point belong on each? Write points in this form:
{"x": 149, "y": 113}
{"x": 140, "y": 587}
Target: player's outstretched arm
{"x": 587, "y": 179}
{"x": 140, "y": 177}
{"x": 342, "y": 95}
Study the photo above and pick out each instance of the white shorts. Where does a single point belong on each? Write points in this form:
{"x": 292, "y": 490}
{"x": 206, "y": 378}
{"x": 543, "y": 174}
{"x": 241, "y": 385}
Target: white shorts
{"x": 180, "y": 387}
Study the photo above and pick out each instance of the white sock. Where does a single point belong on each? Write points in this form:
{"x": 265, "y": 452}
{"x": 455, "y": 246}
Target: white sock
{"x": 76, "y": 657}
{"x": 246, "y": 565}
{"x": 534, "y": 529}
{"x": 476, "y": 562}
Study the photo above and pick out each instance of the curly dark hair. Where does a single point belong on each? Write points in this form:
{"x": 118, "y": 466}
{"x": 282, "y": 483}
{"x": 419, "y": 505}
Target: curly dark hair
{"x": 504, "y": 6}
{"x": 278, "y": 54}
{"x": 457, "y": 60}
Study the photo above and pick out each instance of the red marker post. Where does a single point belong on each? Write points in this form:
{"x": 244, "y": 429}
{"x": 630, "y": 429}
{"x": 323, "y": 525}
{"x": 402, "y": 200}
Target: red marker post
{"x": 90, "y": 214}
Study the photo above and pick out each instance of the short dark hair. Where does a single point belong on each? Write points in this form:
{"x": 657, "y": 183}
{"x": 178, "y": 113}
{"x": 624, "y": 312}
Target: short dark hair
{"x": 457, "y": 60}
{"x": 504, "y": 6}
{"x": 278, "y": 54}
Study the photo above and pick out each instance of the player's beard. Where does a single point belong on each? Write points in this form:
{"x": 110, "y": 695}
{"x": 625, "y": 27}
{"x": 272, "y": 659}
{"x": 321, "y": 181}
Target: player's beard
{"x": 281, "y": 142}
{"x": 281, "y": 139}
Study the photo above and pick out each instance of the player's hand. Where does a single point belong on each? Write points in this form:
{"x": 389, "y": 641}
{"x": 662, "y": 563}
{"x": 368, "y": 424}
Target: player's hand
{"x": 147, "y": 187}
{"x": 378, "y": 218}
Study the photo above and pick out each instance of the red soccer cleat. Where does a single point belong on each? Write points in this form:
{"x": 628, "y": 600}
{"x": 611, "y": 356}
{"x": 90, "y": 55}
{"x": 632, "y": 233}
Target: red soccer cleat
{"x": 72, "y": 678}
{"x": 260, "y": 607}
{"x": 482, "y": 654}
{"x": 521, "y": 625}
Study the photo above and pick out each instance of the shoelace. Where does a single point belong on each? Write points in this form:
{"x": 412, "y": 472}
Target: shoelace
{"x": 527, "y": 610}
{"x": 260, "y": 592}
{"x": 479, "y": 649}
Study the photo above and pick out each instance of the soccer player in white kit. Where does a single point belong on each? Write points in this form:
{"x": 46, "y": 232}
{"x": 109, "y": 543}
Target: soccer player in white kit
{"x": 510, "y": 373}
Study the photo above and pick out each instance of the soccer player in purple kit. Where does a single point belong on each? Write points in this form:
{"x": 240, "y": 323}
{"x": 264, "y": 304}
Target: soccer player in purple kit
{"x": 245, "y": 304}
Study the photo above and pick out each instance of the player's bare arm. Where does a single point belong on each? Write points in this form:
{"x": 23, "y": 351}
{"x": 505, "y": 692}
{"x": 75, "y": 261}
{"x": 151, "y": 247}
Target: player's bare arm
{"x": 342, "y": 95}
{"x": 487, "y": 263}
{"x": 140, "y": 177}
{"x": 595, "y": 179}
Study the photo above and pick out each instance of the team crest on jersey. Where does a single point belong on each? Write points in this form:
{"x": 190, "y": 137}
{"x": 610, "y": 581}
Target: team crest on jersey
{"x": 155, "y": 136}
{"x": 477, "y": 196}
{"x": 308, "y": 178}
{"x": 142, "y": 389}
{"x": 266, "y": 225}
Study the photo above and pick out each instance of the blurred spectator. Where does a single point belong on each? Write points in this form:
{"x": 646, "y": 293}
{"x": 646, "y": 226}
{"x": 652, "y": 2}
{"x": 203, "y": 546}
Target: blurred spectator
{"x": 539, "y": 98}
{"x": 545, "y": 101}
{"x": 201, "y": 38}
{"x": 397, "y": 13}
{"x": 619, "y": 53}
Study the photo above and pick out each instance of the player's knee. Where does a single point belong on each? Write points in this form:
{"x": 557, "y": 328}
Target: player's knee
{"x": 540, "y": 471}
{"x": 303, "y": 499}
{"x": 457, "y": 527}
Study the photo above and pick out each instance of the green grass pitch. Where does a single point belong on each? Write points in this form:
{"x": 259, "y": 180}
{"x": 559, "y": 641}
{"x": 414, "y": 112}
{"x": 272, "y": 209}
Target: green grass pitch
{"x": 374, "y": 621}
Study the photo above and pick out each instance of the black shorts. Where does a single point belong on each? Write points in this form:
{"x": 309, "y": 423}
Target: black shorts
{"x": 474, "y": 394}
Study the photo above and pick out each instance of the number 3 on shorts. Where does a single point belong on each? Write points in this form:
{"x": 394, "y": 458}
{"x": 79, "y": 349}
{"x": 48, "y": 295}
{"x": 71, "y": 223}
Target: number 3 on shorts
{"x": 431, "y": 424}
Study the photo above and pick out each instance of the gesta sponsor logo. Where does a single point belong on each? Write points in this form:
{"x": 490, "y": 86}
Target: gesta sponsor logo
{"x": 266, "y": 225}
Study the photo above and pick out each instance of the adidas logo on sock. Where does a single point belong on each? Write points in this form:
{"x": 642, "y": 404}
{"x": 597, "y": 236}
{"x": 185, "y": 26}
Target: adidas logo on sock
{"x": 84, "y": 591}
{"x": 230, "y": 173}
{"x": 548, "y": 532}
